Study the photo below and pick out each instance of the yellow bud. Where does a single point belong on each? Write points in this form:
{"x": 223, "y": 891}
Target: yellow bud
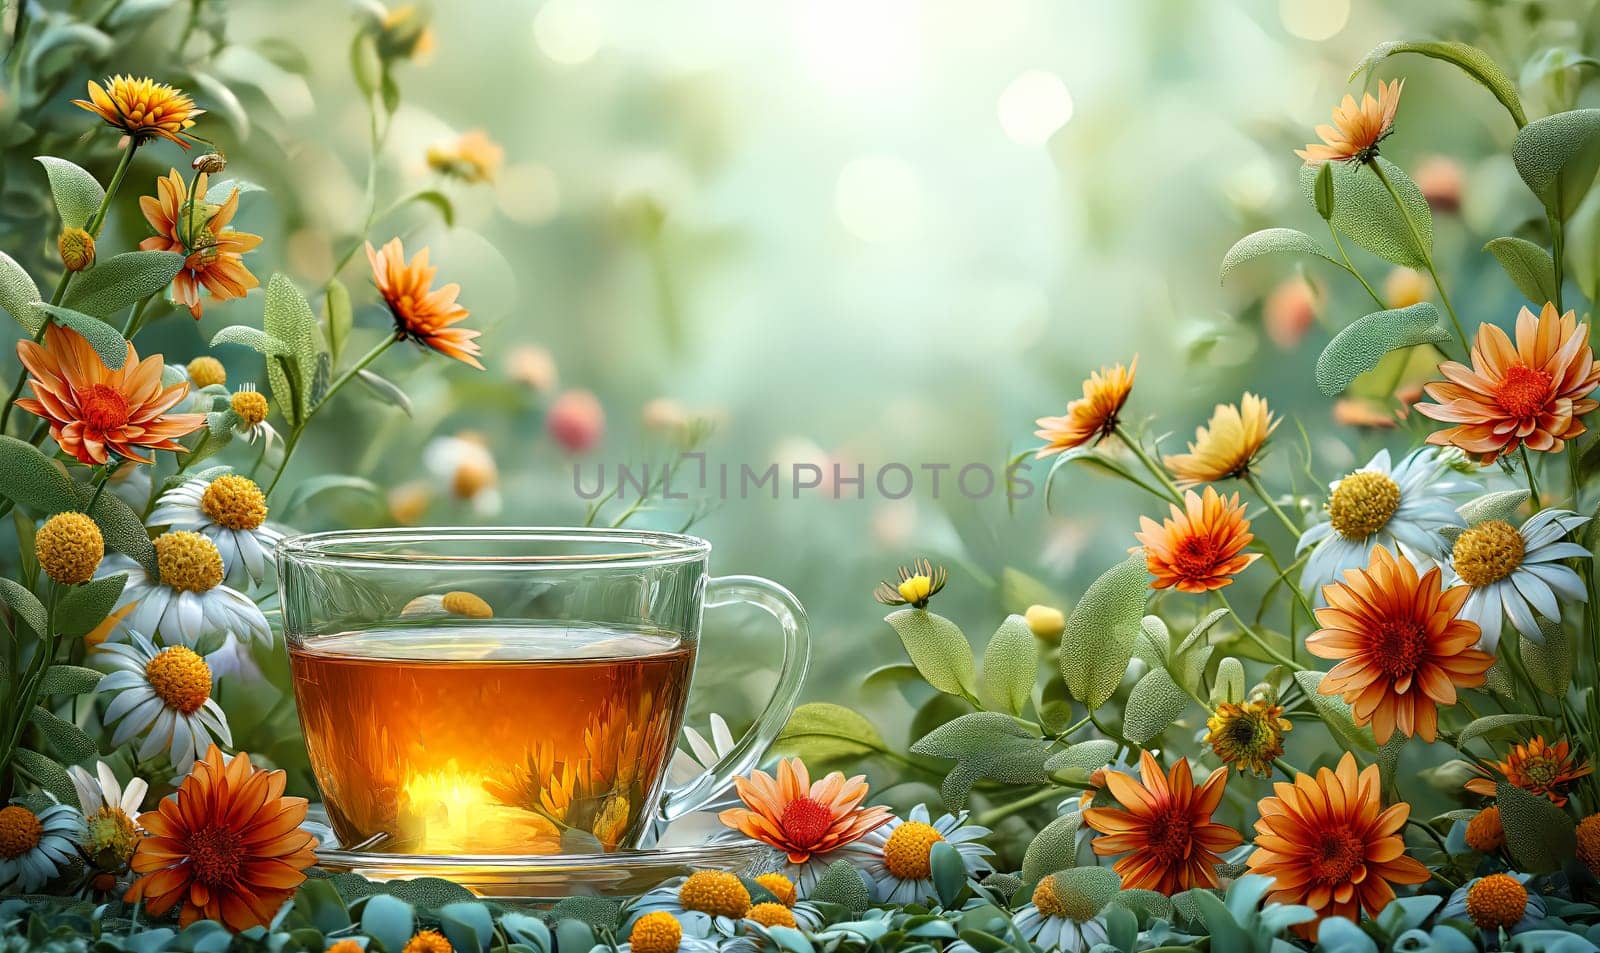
{"x": 1045, "y": 622}
{"x": 206, "y": 370}
{"x": 69, "y": 548}
{"x": 916, "y": 589}
{"x": 77, "y": 249}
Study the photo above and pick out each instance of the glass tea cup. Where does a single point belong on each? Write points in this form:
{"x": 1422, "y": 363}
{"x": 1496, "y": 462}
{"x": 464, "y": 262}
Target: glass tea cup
{"x": 471, "y": 691}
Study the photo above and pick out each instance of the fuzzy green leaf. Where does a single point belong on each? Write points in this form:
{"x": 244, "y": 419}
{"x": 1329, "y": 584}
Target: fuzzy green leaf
{"x": 69, "y": 680}
{"x": 1549, "y": 665}
{"x": 47, "y": 773}
{"x": 26, "y": 605}
{"x": 1335, "y": 713}
{"x": 1100, "y": 633}
{"x": 119, "y": 281}
{"x": 1010, "y": 666}
{"x": 86, "y": 606}
{"x": 1054, "y": 848}
{"x": 598, "y": 912}
{"x": 1271, "y": 241}
{"x": 122, "y": 528}
{"x": 985, "y": 744}
{"x": 842, "y": 884}
{"x": 937, "y": 648}
{"x": 822, "y": 731}
{"x": 1229, "y": 686}
{"x": 385, "y": 390}
{"x": 1465, "y": 57}
{"x": 1083, "y": 758}
{"x": 33, "y": 480}
{"x": 1557, "y": 157}
{"x": 1155, "y": 702}
{"x": 288, "y": 318}
{"x": 106, "y": 340}
{"x": 1322, "y": 191}
{"x": 948, "y": 872}
{"x": 1363, "y": 343}
{"x": 387, "y": 919}
{"x": 253, "y": 338}
{"x": 1501, "y": 505}
{"x": 1528, "y": 266}
{"x": 337, "y": 317}
{"x": 67, "y": 740}
{"x": 18, "y": 294}
{"x": 1094, "y": 885}
{"x": 1500, "y": 726}
{"x": 77, "y": 193}
{"x": 1540, "y": 837}
{"x": 1368, "y": 215}
{"x": 314, "y": 487}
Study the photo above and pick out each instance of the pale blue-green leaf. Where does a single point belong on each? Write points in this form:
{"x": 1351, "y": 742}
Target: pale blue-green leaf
{"x": 1335, "y": 713}
{"x": 1010, "y": 666}
{"x": 1528, "y": 266}
{"x": 18, "y": 294}
{"x": 106, "y": 340}
{"x": 1540, "y": 837}
{"x": 822, "y": 731}
{"x": 1465, "y": 57}
{"x": 33, "y": 480}
{"x": 253, "y": 338}
{"x": 1229, "y": 686}
{"x": 1367, "y": 213}
{"x": 937, "y": 648}
{"x": 1557, "y": 157}
{"x": 385, "y": 390}
{"x": 77, "y": 193}
{"x": 119, "y": 281}
{"x": 1100, "y": 633}
{"x": 1363, "y": 343}
{"x": 1155, "y": 702}
{"x": 288, "y": 318}
{"x": 1271, "y": 241}
{"x": 313, "y": 487}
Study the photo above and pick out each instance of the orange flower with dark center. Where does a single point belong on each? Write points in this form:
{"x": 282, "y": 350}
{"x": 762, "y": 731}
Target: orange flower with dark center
{"x": 1329, "y": 844}
{"x": 1532, "y": 393}
{"x": 801, "y": 818}
{"x": 1403, "y": 652}
{"x": 142, "y": 108}
{"x": 1201, "y": 547}
{"x": 1357, "y": 127}
{"x": 421, "y": 312}
{"x": 197, "y": 229}
{"x": 1092, "y": 416}
{"x": 228, "y": 846}
{"x": 1164, "y": 828}
{"x": 1534, "y": 766}
{"x": 95, "y": 412}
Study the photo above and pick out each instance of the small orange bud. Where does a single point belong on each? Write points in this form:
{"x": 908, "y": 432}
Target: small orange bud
{"x": 77, "y": 249}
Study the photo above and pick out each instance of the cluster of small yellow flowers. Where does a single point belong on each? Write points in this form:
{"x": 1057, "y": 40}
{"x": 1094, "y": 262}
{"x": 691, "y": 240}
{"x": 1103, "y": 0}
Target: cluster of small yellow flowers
{"x": 780, "y": 887}
{"x": 250, "y": 405}
{"x": 188, "y": 561}
{"x": 20, "y": 831}
{"x": 771, "y": 915}
{"x": 180, "y": 678}
{"x": 69, "y": 548}
{"x": 655, "y": 932}
{"x": 235, "y": 502}
{"x": 206, "y": 370}
{"x": 908, "y": 853}
{"x": 716, "y": 892}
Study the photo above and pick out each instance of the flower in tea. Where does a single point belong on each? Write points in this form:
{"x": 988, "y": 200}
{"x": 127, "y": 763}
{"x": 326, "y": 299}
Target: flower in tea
{"x": 110, "y": 811}
{"x": 190, "y": 602}
{"x": 458, "y": 602}
{"x": 163, "y": 694}
{"x": 1060, "y": 917}
{"x": 900, "y": 863}
{"x": 1518, "y": 573}
{"x": 231, "y": 511}
{"x": 34, "y": 847}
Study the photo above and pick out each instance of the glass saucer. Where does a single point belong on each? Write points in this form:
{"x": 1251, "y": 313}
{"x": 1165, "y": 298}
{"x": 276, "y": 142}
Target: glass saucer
{"x": 549, "y": 877}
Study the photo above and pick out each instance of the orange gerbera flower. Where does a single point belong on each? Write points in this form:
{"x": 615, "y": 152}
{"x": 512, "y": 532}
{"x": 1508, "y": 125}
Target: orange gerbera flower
{"x": 1330, "y": 844}
{"x": 1356, "y": 129}
{"x": 1201, "y": 547}
{"x": 199, "y": 230}
{"x": 95, "y": 412}
{"x": 1092, "y": 416}
{"x": 422, "y": 313}
{"x": 142, "y": 108}
{"x": 228, "y": 845}
{"x": 1404, "y": 651}
{"x": 1227, "y": 446}
{"x": 800, "y": 818}
{"x": 1534, "y": 766}
{"x": 1165, "y": 829}
{"x": 1529, "y": 394}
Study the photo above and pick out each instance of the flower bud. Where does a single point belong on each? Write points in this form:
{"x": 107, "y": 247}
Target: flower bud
{"x": 1046, "y": 623}
{"x": 77, "y": 249}
{"x": 576, "y": 421}
{"x": 211, "y": 163}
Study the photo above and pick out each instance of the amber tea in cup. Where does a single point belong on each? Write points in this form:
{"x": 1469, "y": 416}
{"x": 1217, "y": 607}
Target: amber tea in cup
{"x": 469, "y": 692}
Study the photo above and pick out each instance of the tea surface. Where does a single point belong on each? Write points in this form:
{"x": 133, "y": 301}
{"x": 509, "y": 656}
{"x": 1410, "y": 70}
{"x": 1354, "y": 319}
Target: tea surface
{"x": 490, "y": 739}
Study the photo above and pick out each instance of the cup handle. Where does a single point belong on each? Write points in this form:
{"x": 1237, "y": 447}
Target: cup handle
{"x": 781, "y": 604}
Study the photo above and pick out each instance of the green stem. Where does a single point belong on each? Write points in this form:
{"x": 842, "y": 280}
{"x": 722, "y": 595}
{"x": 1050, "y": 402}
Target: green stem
{"x": 1155, "y": 469}
{"x": 990, "y": 817}
{"x": 1350, "y": 267}
{"x": 1255, "y": 637}
{"x": 1422, "y": 249}
{"x": 1558, "y": 241}
{"x": 1533, "y": 484}
{"x": 333, "y": 388}
{"x": 136, "y": 318}
{"x": 1252, "y": 481}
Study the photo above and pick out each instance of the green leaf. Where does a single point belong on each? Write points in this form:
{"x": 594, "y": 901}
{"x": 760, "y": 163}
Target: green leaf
{"x": 224, "y": 102}
{"x": 937, "y": 648}
{"x": 468, "y": 926}
{"x": 77, "y": 193}
{"x": 1528, "y": 266}
{"x": 122, "y": 528}
{"x": 1502, "y": 505}
{"x": 314, "y": 487}
{"x": 1155, "y": 702}
{"x": 1018, "y": 591}
{"x": 1557, "y": 157}
{"x": 1271, "y": 241}
{"x": 948, "y": 872}
{"x": 842, "y": 884}
{"x": 69, "y": 680}
{"x": 388, "y": 920}
{"x": 288, "y": 318}
{"x": 365, "y": 63}
{"x": 1100, "y": 633}
{"x": 440, "y": 201}
{"x": 18, "y": 294}
{"x": 1469, "y": 59}
{"x": 1549, "y": 666}
{"x": 1094, "y": 886}
{"x": 1229, "y": 686}
{"x": 385, "y": 390}
{"x": 253, "y": 338}
{"x": 1368, "y": 215}
{"x": 1054, "y": 848}
{"x": 1083, "y": 758}
{"x": 33, "y": 480}
{"x": 26, "y": 605}
{"x": 1500, "y": 726}
{"x": 1363, "y": 343}
{"x": 86, "y": 606}
{"x": 824, "y": 731}
{"x": 337, "y": 317}
{"x": 106, "y": 340}
{"x": 985, "y": 744}
{"x": 1010, "y": 666}
{"x": 1540, "y": 837}
{"x": 1335, "y": 713}
{"x": 1322, "y": 191}
{"x": 115, "y": 283}
{"x": 67, "y": 740}
{"x": 47, "y": 774}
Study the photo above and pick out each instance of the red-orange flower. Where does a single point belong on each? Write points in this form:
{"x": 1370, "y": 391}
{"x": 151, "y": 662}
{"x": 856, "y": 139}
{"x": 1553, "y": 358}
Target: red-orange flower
{"x": 801, "y": 818}
{"x": 228, "y": 846}
{"x": 421, "y": 312}
{"x": 1404, "y": 653}
{"x": 1329, "y": 843}
{"x": 199, "y": 230}
{"x": 1357, "y": 128}
{"x": 95, "y": 412}
{"x": 1092, "y": 416}
{"x": 1201, "y": 547}
{"x": 1531, "y": 393}
{"x": 1535, "y": 766}
{"x": 1164, "y": 829}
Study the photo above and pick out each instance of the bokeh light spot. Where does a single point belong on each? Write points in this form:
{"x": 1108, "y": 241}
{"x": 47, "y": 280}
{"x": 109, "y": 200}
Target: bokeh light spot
{"x": 1033, "y": 107}
{"x": 879, "y": 198}
{"x": 1314, "y": 19}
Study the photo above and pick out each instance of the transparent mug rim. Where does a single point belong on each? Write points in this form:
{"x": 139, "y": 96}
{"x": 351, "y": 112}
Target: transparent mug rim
{"x": 636, "y": 548}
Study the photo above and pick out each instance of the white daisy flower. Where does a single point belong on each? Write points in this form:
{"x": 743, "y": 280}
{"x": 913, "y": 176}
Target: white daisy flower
{"x": 1518, "y": 573}
{"x": 1533, "y": 914}
{"x": 110, "y": 813}
{"x": 707, "y": 904}
{"x": 251, "y": 406}
{"x": 231, "y": 511}
{"x": 900, "y": 865}
{"x": 1400, "y": 507}
{"x": 189, "y": 603}
{"x": 464, "y": 464}
{"x": 34, "y": 847}
{"x": 163, "y": 694}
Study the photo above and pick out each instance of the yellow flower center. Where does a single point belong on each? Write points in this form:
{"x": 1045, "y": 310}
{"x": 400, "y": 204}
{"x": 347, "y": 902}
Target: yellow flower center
{"x": 235, "y": 502}
{"x": 251, "y": 406}
{"x": 716, "y": 892}
{"x": 909, "y": 849}
{"x": 916, "y": 589}
{"x": 779, "y": 886}
{"x": 180, "y": 678}
{"x": 109, "y": 838}
{"x": 1363, "y": 503}
{"x": 188, "y": 561}
{"x": 428, "y": 941}
{"x": 656, "y": 932}
{"x": 1055, "y": 899}
{"x": 69, "y": 548}
{"x": 1497, "y": 901}
{"x": 1488, "y": 553}
{"x": 206, "y": 370}
{"x": 20, "y": 831}
{"x": 466, "y": 604}
{"x": 771, "y": 915}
